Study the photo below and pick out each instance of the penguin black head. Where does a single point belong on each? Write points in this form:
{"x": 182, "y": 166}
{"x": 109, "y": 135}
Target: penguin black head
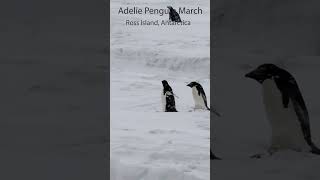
{"x": 192, "y": 84}
{"x": 165, "y": 83}
{"x": 169, "y": 7}
{"x": 264, "y": 71}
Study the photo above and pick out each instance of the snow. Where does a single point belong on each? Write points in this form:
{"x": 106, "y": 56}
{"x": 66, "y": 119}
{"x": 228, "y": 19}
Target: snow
{"x": 147, "y": 143}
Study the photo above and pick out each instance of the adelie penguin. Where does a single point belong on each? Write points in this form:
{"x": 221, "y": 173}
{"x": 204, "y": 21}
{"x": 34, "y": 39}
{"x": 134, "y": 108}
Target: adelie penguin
{"x": 167, "y": 97}
{"x": 173, "y": 15}
{"x": 285, "y": 110}
{"x": 199, "y": 97}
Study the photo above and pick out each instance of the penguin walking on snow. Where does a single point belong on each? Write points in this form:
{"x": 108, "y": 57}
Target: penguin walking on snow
{"x": 173, "y": 15}
{"x": 199, "y": 97}
{"x": 285, "y": 109}
{"x": 168, "y": 102}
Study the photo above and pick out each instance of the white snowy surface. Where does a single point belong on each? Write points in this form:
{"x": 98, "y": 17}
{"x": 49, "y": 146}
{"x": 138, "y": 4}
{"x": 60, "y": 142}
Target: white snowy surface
{"x": 145, "y": 142}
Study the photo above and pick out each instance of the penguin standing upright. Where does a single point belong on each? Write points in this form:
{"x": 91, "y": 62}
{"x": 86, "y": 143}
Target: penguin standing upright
{"x": 199, "y": 97}
{"x": 173, "y": 15}
{"x": 168, "y": 102}
{"x": 285, "y": 109}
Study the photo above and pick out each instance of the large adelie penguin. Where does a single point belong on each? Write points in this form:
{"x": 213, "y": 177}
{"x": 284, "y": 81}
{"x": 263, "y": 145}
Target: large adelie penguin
{"x": 285, "y": 109}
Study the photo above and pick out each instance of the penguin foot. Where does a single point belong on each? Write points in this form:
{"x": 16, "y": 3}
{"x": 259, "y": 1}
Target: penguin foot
{"x": 261, "y": 155}
{"x": 315, "y": 151}
{"x": 257, "y": 156}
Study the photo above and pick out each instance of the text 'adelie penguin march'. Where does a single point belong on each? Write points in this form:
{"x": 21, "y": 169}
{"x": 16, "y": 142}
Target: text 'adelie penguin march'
{"x": 160, "y": 12}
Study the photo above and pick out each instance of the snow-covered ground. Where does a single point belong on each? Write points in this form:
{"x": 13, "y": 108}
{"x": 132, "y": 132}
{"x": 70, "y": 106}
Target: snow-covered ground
{"x": 147, "y": 143}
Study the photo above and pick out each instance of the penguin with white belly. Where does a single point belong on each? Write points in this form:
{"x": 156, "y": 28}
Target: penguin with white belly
{"x": 285, "y": 109}
{"x": 199, "y": 97}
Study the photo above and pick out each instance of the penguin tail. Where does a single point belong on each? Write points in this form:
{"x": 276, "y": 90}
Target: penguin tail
{"x": 315, "y": 150}
{"x": 214, "y": 111}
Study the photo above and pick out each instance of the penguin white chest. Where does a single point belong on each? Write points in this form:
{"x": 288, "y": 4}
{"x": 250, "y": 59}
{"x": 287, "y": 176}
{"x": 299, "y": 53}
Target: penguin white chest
{"x": 198, "y": 100}
{"x": 286, "y": 130}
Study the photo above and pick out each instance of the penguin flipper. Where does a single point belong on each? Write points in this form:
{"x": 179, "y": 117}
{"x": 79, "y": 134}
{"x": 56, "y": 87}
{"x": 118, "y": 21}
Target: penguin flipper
{"x": 303, "y": 118}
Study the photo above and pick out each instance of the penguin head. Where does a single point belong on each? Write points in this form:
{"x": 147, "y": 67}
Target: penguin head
{"x": 192, "y": 84}
{"x": 263, "y": 72}
{"x": 165, "y": 83}
{"x": 169, "y": 7}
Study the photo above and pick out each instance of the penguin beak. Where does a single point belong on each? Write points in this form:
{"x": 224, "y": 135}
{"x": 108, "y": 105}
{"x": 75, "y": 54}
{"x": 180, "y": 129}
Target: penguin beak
{"x": 189, "y": 85}
{"x": 256, "y": 75}
{"x": 250, "y": 75}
